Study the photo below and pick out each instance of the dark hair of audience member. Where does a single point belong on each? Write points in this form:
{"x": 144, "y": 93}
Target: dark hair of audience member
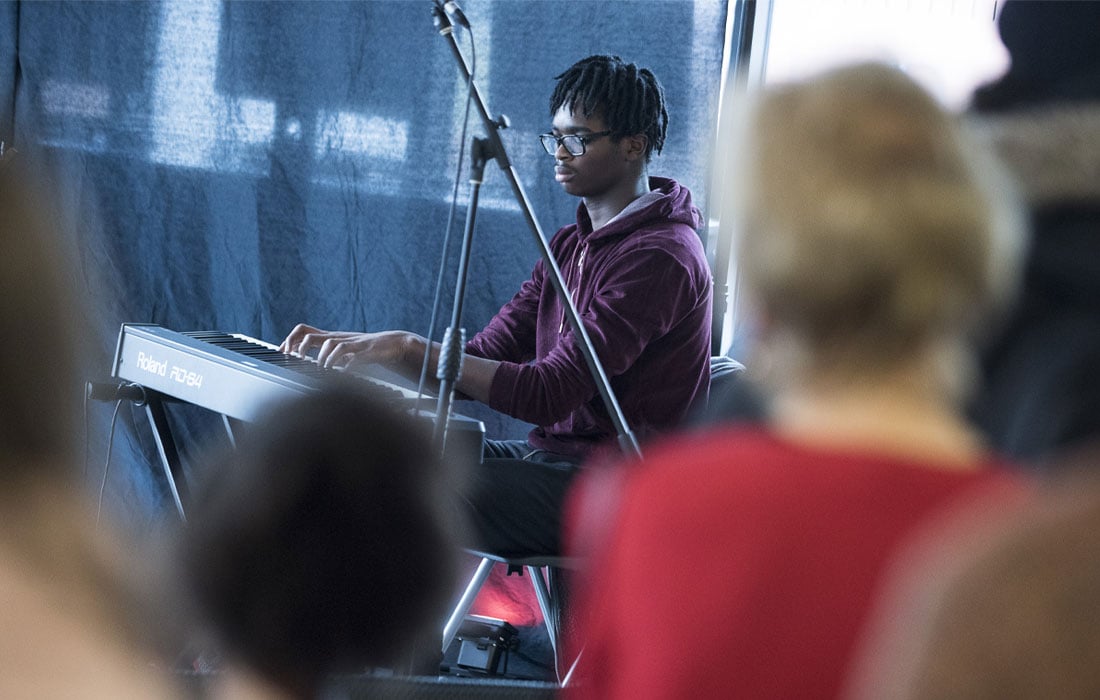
{"x": 40, "y": 367}
{"x": 324, "y": 544}
{"x": 1040, "y": 396}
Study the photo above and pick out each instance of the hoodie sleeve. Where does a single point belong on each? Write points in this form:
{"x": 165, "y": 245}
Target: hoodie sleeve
{"x": 639, "y": 297}
{"x": 510, "y": 334}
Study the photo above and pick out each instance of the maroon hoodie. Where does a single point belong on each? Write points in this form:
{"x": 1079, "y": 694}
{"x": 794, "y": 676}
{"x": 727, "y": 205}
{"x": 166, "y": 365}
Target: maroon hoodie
{"x": 642, "y": 286}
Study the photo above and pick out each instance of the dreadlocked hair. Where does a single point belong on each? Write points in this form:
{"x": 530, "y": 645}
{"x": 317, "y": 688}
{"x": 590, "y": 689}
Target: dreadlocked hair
{"x": 630, "y": 98}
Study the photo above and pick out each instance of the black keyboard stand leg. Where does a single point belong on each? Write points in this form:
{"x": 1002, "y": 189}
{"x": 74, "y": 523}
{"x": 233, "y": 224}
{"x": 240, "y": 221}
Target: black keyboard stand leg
{"x": 231, "y": 430}
{"x": 166, "y": 448}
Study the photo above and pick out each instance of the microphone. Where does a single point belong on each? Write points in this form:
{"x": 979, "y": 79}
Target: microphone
{"x": 112, "y": 391}
{"x": 455, "y": 13}
{"x": 451, "y": 8}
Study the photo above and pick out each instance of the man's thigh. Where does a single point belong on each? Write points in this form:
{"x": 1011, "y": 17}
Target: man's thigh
{"x": 514, "y": 506}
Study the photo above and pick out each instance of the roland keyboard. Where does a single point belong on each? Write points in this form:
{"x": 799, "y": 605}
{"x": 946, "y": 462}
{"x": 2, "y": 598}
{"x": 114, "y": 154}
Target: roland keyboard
{"x": 229, "y": 373}
{"x": 239, "y": 377}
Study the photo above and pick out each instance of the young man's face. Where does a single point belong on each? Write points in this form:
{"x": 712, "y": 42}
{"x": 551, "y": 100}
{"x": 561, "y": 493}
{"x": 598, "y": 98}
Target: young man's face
{"x": 604, "y": 163}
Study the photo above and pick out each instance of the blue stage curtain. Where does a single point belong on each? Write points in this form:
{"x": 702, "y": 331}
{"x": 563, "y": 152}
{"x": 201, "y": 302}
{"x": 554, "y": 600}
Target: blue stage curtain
{"x": 243, "y": 166}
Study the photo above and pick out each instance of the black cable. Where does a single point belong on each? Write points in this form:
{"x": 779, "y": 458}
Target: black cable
{"x": 107, "y": 463}
{"x": 450, "y": 224}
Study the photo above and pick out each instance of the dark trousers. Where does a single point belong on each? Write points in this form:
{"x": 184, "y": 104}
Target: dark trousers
{"x": 514, "y": 499}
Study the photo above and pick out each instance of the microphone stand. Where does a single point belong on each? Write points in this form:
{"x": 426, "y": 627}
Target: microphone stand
{"x": 449, "y": 364}
{"x": 493, "y": 147}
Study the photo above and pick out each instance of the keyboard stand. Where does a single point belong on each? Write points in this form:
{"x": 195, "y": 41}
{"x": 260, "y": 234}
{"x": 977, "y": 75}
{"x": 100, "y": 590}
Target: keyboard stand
{"x": 166, "y": 449}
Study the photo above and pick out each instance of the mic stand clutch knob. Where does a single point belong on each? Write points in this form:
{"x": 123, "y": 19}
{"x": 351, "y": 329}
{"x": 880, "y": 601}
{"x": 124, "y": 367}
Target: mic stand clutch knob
{"x": 449, "y": 364}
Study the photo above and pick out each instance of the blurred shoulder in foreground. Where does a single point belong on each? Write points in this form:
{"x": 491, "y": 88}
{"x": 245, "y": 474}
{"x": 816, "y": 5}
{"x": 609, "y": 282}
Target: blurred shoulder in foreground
{"x": 77, "y": 614}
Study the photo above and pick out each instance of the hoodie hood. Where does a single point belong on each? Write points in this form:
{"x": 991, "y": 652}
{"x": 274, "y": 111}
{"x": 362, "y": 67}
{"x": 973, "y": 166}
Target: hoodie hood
{"x": 674, "y": 205}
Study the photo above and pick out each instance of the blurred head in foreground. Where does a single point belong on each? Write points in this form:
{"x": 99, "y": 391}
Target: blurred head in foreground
{"x": 324, "y": 543}
{"x": 873, "y": 239}
{"x": 39, "y": 367}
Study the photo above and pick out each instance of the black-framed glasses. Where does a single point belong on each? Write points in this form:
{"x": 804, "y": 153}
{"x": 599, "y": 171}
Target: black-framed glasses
{"x": 574, "y": 144}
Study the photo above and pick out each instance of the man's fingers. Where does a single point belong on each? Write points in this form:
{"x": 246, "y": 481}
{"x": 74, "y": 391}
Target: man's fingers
{"x": 292, "y": 344}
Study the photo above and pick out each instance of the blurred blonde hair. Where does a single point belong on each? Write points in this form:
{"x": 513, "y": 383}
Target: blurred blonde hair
{"x": 871, "y": 233}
